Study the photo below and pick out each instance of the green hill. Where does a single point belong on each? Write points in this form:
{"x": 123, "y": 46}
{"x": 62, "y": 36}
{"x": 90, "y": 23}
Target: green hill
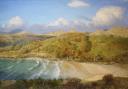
{"x": 107, "y": 46}
{"x": 75, "y": 45}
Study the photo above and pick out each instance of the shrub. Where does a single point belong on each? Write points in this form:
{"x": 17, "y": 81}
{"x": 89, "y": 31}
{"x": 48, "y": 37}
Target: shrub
{"x": 108, "y": 79}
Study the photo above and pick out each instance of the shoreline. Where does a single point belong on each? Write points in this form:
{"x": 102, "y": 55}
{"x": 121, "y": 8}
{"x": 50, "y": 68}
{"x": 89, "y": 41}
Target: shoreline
{"x": 86, "y": 71}
{"x": 59, "y": 59}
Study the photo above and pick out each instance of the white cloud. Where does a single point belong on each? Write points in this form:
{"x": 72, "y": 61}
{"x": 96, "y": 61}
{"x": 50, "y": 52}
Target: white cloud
{"x": 15, "y": 22}
{"x": 62, "y": 23}
{"x": 78, "y": 4}
{"x": 59, "y": 22}
{"x": 108, "y": 16}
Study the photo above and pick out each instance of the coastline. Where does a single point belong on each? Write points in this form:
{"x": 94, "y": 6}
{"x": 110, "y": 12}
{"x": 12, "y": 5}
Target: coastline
{"x": 59, "y": 59}
{"x": 88, "y": 71}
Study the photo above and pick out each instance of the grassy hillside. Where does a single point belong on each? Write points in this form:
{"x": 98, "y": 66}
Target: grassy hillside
{"x": 75, "y": 45}
{"x": 97, "y": 46}
{"x": 15, "y": 45}
{"x": 108, "y": 46}
{"x": 116, "y": 31}
{"x": 119, "y": 31}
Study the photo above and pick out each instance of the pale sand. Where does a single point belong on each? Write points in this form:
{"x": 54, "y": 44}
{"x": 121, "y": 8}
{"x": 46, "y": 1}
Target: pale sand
{"x": 91, "y": 71}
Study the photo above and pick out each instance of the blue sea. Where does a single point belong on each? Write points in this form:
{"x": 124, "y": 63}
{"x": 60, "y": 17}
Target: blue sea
{"x": 31, "y": 68}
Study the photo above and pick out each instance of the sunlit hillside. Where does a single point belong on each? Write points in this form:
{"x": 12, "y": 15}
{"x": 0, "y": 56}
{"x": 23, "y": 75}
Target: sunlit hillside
{"x": 110, "y": 45}
{"x": 116, "y": 31}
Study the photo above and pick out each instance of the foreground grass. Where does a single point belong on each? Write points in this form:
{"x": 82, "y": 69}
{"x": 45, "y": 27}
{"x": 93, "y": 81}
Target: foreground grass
{"x": 108, "y": 82}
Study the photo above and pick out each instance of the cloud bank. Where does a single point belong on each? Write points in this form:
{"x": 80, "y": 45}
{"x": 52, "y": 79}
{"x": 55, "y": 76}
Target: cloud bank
{"x": 15, "y": 22}
{"x": 105, "y": 17}
{"x": 109, "y": 16}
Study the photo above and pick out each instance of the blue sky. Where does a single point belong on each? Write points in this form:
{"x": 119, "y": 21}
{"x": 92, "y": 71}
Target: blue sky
{"x": 47, "y": 11}
{"x": 39, "y": 11}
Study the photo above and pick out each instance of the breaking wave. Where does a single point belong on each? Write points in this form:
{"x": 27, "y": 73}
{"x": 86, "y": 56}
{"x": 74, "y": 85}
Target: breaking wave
{"x": 34, "y": 68}
{"x": 30, "y": 68}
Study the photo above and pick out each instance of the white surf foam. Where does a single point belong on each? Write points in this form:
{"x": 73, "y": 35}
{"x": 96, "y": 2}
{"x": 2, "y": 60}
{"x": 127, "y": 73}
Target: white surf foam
{"x": 48, "y": 70}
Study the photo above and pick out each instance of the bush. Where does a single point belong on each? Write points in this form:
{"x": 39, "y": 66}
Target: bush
{"x": 108, "y": 79}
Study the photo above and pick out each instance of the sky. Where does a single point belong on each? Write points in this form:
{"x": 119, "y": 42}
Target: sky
{"x": 42, "y": 16}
